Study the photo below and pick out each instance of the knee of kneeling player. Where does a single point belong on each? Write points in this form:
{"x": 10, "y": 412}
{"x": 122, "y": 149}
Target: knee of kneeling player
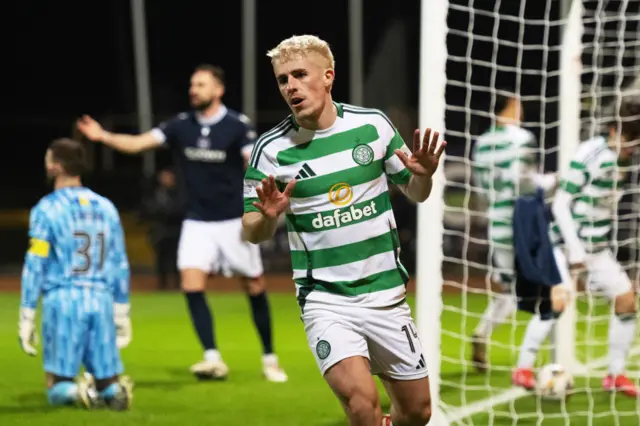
{"x": 625, "y": 304}
{"x": 62, "y": 393}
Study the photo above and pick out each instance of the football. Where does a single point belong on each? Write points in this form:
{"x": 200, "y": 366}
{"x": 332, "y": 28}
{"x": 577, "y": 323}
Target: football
{"x": 554, "y": 382}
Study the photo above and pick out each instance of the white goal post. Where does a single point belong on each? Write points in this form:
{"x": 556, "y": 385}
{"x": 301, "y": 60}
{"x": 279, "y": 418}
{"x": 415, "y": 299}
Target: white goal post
{"x": 569, "y": 136}
{"x": 429, "y": 280}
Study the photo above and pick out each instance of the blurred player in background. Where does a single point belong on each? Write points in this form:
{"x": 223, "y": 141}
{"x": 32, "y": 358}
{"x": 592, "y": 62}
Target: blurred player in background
{"x": 505, "y": 167}
{"x": 162, "y": 210}
{"x": 77, "y": 262}
{"x": 212, "y": 145}
{"x": 584, "y": 208}
{"x": 327, "y": 167}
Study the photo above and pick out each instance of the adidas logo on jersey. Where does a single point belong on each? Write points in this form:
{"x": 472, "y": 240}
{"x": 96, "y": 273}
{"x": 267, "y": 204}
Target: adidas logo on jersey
{"x": 305, "y": 172}
{"x": 340, "y": 217}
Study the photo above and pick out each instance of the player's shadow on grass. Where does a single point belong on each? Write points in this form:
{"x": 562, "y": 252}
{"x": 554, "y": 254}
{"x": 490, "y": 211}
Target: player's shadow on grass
{"x": 33, "y": 402}
{"x": 180, "y": 378}
{"x": 385, "y": 405}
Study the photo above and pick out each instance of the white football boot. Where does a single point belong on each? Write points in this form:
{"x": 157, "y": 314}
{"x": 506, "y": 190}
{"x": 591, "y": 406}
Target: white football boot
{"x": 271, "y": 369}
{"x": 210, "y": 370}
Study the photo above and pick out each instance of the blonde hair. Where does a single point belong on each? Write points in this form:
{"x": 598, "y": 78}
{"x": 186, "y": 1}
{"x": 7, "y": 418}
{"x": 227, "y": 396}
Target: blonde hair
{"x": 300, "y": 46}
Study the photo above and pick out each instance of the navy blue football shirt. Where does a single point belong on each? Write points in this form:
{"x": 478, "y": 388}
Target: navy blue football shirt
{"x": 210, "y": 153}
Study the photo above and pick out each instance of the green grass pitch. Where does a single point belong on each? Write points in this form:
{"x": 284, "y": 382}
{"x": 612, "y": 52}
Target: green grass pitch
{"x": 164, "y": 346}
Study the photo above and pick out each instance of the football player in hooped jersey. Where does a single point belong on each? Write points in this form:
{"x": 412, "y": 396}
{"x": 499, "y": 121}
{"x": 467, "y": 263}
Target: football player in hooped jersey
{"x": 326, "y": 167}
{"x": 211, "y": 145}
{"x": 584, "y": 209}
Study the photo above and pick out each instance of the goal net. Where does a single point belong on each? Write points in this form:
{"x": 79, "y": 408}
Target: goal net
{"x": 570, "y": 65}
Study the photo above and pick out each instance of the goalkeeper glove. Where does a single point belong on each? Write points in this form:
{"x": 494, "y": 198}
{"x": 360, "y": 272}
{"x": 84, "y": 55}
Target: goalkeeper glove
{"x": 27, "y": 331}
{"x": 123, "y": 324}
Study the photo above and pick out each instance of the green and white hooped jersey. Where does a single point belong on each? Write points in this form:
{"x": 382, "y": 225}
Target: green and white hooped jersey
{"x": 595, "y": 181}
{"x": 342, "y": 231}
{"x": 500, "y": 158}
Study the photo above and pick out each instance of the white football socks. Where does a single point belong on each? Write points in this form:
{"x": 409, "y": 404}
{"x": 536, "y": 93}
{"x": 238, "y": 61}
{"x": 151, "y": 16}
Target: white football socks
{"x": 269, "y": 359}
{"x": 621, "y": 334}
{"x": 536, "y": 334}
{"x": 212, "y": 355}
{"x": 500, "y": 308}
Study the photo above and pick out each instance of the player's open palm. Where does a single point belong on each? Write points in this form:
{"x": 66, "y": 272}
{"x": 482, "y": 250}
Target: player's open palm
{"x": 90, "y": 128}
{"x": 273, "y": 201}
{"x": 425, "y": 157}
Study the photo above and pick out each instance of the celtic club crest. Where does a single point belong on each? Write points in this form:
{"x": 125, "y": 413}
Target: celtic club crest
{"x": 323, "y": 349}
{"x": 362, "y": 154}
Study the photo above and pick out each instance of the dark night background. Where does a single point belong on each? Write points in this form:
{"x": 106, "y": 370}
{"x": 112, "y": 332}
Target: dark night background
{"x": 68, "y": 59}
{"x": 71, "y": 57}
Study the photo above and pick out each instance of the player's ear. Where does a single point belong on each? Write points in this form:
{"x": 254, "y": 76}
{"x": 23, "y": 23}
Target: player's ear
{"x": 329, "y": 76}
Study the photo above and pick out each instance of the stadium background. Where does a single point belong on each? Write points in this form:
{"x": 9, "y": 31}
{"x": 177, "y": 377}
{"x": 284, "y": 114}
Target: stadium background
{"x": 67, "y": 61}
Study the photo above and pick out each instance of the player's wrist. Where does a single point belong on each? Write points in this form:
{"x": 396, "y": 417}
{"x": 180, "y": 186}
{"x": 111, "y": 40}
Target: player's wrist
{"x": 261, "y": 229}
{"x": 423, "y": 178}
{"x": 121, "y": 309}
{"x": 27, "y": 314}
{"x": 419, "y": 187}
{"x": 104, "y": 137}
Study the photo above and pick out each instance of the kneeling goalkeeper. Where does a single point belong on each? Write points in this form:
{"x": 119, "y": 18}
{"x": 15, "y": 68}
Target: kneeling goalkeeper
{"x": 77, "y": 261}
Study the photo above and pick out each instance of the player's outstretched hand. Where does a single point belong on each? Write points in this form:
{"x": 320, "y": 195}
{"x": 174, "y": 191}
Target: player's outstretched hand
{"x": 90, "y": 128}
{"x": 273, "y": 202}
{"x": 27, "y": 334}
{"x": 424, "y": 159}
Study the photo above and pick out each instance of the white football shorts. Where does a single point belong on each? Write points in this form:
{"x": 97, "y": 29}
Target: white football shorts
{"x": 387, "y": 337}
{"x": 218, "y": 247}
{"x": 604, "y": 274}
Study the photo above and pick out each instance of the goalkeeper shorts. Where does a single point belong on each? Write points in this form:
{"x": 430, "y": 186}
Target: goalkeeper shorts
{"x": 78, "y": 329}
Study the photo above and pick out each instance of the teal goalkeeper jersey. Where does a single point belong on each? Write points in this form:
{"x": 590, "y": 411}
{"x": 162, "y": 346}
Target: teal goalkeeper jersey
{"x": 76, "y": 240}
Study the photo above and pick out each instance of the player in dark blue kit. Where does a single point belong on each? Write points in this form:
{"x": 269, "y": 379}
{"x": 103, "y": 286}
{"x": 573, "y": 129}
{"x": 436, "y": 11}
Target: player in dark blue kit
{"x": 211, "y": 145}
{"x": 77, "y": 263}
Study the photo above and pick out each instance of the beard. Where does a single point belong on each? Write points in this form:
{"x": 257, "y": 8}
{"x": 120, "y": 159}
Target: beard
{"x": 200, "y": 105}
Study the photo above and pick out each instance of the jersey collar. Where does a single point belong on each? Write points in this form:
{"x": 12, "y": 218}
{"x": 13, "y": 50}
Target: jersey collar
{"x": 214, "y": 119}
{"x": 339, "y": 110}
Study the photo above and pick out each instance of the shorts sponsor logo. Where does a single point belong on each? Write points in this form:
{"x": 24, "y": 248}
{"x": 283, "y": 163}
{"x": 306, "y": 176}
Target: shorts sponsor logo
{"x": 323, "y": 349}
{"x": 362, "y": 154}
{"x": 340, "y": 194}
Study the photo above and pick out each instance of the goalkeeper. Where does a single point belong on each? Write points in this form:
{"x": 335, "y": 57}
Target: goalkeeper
{"x": 584, "y": 209}
{"x": 77, "y": 261}
{"x": 505, "y": 167}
